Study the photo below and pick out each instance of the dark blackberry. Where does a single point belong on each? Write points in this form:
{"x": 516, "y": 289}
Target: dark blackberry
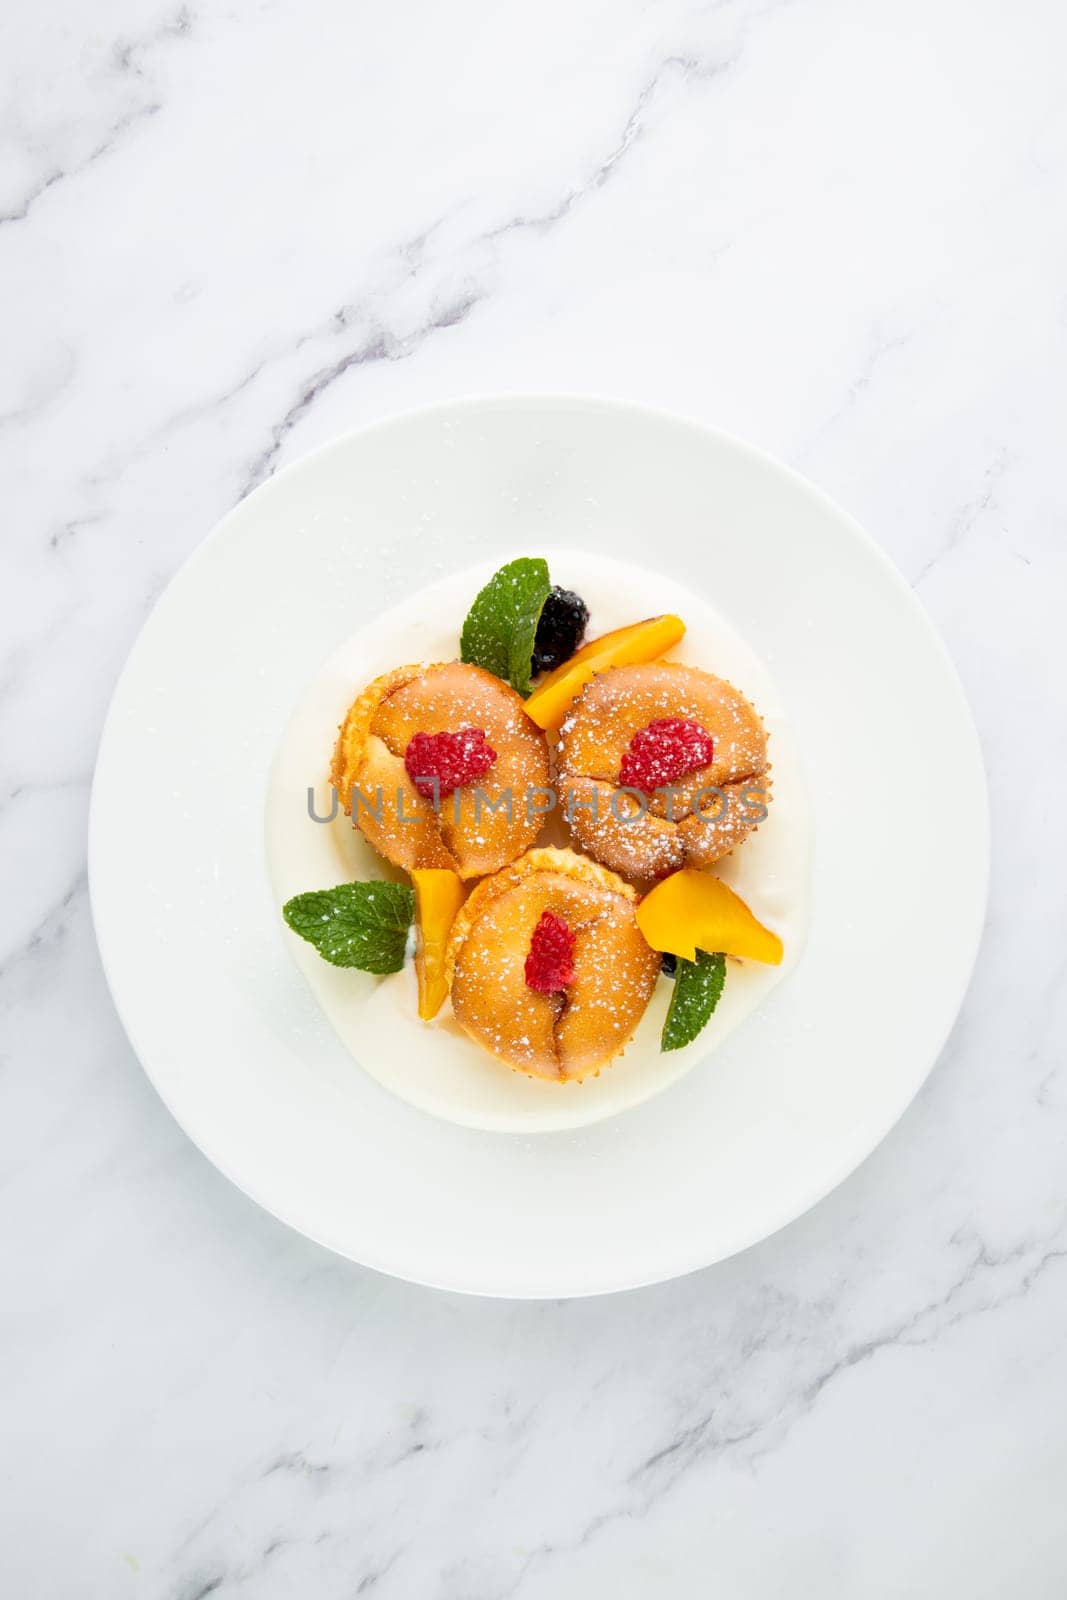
{"x": 560, "y": 629}
{"x": 668, "y": 963}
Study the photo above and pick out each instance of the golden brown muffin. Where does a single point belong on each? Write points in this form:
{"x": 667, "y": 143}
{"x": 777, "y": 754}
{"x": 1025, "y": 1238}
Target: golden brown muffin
{"x": 460, "y": 833}
{"x": 685, "y": 828}
{"x": 576, "y": 1031}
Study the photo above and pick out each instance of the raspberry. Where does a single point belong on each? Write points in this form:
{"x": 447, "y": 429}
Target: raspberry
{"x": 559, "y": 629}
{"x": 550, "y": 963}
{"x": 665, "y": 750}
{"x": 454, "y": 759}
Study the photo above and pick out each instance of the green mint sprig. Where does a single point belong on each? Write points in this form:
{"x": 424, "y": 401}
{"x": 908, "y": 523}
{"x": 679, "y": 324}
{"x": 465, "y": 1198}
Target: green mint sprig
{"x": 361, "y": 925}
{"x": 502, "y": 623}
{"x": 698, "y": 987}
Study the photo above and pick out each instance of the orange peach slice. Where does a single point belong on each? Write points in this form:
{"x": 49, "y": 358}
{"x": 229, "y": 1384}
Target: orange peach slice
{"x": 438, "y": 896}
{"x": 623, "y": 647}
{"x": 691, "y": 911}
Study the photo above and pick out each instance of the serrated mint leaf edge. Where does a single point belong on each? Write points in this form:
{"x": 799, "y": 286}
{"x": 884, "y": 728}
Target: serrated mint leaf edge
{"x": 362, "y": 925}
{"x": 500, "y": 627}
{"x": 524, "y": 631}
{"x": 698, "y": 987}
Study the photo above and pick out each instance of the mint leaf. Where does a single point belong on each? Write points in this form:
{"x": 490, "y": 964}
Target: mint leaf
{"x": 355, "y": 925}
{"x": 501, "y": 624}
{"x": 698, "y": 986}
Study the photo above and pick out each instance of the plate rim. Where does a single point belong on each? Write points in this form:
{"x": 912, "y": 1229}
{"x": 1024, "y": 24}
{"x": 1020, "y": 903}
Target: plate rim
{"x": 553, "y": 400}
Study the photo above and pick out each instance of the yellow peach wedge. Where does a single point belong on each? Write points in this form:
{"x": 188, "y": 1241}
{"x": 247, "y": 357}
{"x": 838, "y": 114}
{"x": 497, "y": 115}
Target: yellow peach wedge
{"x": 439, "y": 894}
{"x": 691, "y": 911}
{"x": 623, "y": 647}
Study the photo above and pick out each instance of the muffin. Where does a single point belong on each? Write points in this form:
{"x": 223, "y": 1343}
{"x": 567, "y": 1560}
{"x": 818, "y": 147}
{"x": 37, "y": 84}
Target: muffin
{"x": 636, "y": 731}
{"x": 435, "y": 765}
{"x": 547, "y": 966}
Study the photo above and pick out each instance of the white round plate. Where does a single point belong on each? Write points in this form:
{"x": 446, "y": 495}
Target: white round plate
{"x": 199, "y": 963}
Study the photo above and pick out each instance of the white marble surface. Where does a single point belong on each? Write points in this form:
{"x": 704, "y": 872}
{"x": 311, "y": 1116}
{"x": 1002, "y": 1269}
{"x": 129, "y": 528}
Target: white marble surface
{"x": 227, "y": 233}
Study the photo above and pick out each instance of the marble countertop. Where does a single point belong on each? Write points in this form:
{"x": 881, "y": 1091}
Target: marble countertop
{"x": 228, "y": 233}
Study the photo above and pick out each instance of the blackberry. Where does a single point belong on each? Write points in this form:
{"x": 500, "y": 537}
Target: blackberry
{"x": 668, "y": 963}
{"x": 560, "y": 629}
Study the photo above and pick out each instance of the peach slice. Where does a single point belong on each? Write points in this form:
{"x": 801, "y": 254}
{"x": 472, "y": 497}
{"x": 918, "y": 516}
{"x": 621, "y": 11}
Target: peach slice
{"x": 439, "y": 894}
{"x": 691, "y": 911}
{"x": 623, "y": 647}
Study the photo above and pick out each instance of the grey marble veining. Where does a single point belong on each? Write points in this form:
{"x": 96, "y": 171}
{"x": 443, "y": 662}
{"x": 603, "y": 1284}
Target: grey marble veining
{"x": 225, "y": 235}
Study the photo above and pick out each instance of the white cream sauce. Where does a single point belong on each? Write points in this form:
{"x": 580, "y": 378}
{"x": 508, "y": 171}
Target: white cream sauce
{"x": 434, "y": 1065}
